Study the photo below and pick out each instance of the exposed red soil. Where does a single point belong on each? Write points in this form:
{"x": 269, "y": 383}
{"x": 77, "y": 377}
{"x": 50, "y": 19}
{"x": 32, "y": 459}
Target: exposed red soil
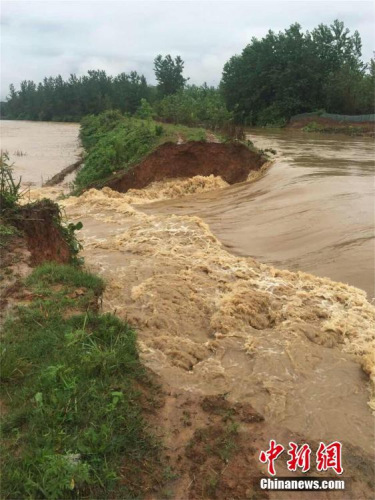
{"x": 45, "y": 241}
{"x": 39, "y": 239}
{"x": 231, "y": 161}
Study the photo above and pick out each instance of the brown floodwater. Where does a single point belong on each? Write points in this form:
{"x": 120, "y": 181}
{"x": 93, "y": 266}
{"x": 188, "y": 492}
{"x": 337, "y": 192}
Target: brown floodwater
{"x": 211, "y": 319}
{"x": 312, "y": 211}
{"x": 39, "y": 150}
{"x": 210, "y": 322}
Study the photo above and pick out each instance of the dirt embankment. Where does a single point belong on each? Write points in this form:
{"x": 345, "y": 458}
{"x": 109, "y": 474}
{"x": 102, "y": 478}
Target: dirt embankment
{"x": 39, "y": 222}
{"x": 38, "y": 237}
{"x": 327, "y": 125}
{"x": 232, "y": 162}
{"x": 60, "y": 176}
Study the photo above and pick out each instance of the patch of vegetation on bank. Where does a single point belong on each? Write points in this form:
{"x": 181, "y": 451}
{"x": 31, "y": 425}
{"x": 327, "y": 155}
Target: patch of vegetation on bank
{"x": 69, "y": 384}
{"x": 353, "y": 130}
{"x": 72, "y": 387}
{"x": 40, "y": 223}
{"x": 194, "y": 106}
{"x": 115, "y": 142}
{"x": 7, "y": 232}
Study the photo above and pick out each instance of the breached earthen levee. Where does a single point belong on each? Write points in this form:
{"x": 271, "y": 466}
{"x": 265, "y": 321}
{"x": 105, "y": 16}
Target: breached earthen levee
{"x": 45, "y": 240}
{"x": 231, "y": 161}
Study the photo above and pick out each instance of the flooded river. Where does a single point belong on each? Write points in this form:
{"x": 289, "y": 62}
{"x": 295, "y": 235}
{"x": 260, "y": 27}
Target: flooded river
{"x": 39, "y": 150}
{"x": 189, "y": 274}
{"x": 313, "y": 211}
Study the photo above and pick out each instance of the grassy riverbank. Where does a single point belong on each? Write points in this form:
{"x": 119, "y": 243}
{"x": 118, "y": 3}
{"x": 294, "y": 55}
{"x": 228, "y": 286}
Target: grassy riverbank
{"x": 114, "y": 142}
{"x": 72, "y": 390}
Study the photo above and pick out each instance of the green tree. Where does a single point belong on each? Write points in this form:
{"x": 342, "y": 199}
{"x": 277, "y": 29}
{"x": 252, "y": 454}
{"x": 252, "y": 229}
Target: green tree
{"x": 145, "y": 111}
{"x": 194, "y": 106}
{"x": 168, "y": 73}
{"x": 295, "y": 72}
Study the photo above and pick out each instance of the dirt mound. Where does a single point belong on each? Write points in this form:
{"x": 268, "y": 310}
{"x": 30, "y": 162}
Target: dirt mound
{"x": 45, "y": 241}
{"x": 232, "y": 162}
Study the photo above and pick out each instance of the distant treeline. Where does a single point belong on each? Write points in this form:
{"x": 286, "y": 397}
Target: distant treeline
{"x": 56, "y": 99}
{"x": 69, "y": 100}
{"x": 274, "y": 78}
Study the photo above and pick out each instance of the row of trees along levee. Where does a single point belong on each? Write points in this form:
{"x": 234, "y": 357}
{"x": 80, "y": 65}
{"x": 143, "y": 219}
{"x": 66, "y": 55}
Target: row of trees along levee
{"x": 280, "y": 75}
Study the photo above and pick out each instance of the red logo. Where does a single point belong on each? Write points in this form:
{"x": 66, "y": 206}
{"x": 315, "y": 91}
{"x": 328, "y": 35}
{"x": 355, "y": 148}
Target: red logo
{"x": 327, "y": 457}
{"x": 271, "y": 455}
{"x": 300, "y": 457}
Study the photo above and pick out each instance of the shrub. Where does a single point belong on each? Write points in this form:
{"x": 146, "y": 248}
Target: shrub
{"x": 194, "y": 106}
{"x": 145, "y": 110}
{"x": 10, "y": 191}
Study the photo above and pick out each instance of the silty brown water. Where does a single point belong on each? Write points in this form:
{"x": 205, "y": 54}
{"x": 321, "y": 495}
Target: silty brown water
{"x": 210, "y": 322}
{"x": 39, "y": 150}
{"x": 312, "y": 211}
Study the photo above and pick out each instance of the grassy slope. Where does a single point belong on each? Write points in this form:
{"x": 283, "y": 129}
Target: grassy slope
{"x": 114, "y": 142}
{"x": 69, "y": 377}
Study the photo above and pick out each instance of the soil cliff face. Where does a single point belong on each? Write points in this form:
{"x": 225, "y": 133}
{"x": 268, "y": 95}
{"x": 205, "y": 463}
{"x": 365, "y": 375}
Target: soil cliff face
{"x": 44, "y": 238}
{"x": 40, "y": 238}
{"x": 232, "y": 162}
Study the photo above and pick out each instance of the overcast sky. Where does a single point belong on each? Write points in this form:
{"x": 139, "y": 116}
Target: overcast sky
{"x": 47, "y": 38}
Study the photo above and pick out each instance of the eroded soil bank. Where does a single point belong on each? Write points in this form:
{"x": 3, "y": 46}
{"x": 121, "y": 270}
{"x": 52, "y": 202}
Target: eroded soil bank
{"x": 40, "y": 225}
{"x": 38, "y": 237}
{"x": 231, "y": 161}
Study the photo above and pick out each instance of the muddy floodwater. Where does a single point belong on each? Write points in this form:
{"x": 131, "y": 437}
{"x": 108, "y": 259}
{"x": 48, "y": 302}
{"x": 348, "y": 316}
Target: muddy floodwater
{"x": 218, "y": 284}
{"x": 39, "y": 150}
{"x": 313, "y": 211}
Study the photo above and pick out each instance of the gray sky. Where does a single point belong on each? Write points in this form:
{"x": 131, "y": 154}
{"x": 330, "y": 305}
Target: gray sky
{"x": 47, "y": 38}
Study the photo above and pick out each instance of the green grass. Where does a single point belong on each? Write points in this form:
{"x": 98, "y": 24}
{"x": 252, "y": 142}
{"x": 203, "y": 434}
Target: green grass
{"x": 49, "y": 274}
{"x": 7, "y": 231}
{"x": 114, "y": 142}
{"x": 69, "y": 385}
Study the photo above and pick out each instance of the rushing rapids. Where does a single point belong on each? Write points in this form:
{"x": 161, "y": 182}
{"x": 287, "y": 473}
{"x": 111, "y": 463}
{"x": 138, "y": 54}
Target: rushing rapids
{"x": 313, "y": 211}
{"x": 291, "y": 344}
